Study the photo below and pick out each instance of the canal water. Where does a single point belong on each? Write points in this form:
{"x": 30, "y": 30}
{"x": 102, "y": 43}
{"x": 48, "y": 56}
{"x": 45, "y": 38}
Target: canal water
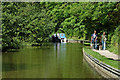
{"x": 55, "y": 60}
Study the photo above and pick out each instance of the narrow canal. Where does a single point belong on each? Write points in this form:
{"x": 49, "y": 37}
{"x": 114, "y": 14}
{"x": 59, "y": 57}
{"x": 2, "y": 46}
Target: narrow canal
{"x": 55, "y": 60}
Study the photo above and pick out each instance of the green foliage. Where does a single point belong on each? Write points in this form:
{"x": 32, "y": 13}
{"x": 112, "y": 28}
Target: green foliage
{"x": 24, "y": 22}
{"x": 115, "y": 40}
{"x": 34, "y": 22}
{"x": 115, "y": 37}
{"x": 70, "y": 16}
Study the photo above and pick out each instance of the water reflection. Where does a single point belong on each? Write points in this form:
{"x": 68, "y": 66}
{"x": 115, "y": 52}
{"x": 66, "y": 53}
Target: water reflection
{"x": 60, "y": 49}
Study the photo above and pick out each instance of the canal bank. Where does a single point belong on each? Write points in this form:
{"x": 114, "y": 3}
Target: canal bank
{"x": 103, "y": 69}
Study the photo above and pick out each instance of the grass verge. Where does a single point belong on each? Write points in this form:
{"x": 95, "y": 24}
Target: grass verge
{"x": 113, "y": 49}
{"x": 103, "y": 59}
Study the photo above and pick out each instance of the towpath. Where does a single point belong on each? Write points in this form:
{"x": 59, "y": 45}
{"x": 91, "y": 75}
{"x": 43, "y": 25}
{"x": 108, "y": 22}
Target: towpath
{"x": 108, "y": 54}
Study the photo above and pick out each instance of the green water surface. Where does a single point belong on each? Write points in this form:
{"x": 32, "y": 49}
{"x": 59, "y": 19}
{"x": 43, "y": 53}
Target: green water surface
{"x": 55, "y": 60}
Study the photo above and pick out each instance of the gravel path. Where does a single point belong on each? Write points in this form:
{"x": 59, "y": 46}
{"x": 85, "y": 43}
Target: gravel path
{"x": 108, "y": 54}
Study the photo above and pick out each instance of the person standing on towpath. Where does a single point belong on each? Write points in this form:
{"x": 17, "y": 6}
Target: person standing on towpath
{"x": 103, "y": 39}
{"x": 94, "y": 40}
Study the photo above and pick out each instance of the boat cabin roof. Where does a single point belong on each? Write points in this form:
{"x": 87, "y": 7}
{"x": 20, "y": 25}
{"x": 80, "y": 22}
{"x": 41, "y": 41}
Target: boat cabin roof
{"x": 62, "y": 35}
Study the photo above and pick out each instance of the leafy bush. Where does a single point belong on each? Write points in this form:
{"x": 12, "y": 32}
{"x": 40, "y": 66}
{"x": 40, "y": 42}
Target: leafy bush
{"x": 115, "y": 40}
{"x": 34, "y": 22}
